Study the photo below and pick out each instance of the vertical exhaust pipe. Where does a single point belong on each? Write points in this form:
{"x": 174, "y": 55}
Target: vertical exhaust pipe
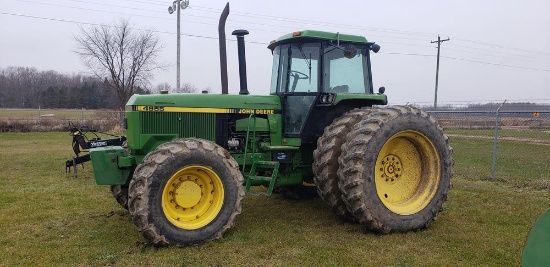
{"x": 223, "y": 50}
{"x": 242, "y": 60}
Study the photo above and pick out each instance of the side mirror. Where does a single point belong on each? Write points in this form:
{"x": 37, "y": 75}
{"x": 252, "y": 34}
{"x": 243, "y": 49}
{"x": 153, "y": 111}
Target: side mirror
{"x": 375, "y": 48}
{"x": 381, "y": 90}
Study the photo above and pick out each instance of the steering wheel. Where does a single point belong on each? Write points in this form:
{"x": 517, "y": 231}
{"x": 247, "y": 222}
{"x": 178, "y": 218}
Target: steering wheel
{"x": 297, "y": 76}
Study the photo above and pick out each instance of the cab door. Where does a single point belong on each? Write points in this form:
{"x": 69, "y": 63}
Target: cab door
{"x": 296, "y": 81}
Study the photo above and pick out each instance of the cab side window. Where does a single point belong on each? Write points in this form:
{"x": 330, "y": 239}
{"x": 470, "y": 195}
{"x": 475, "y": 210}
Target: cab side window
{"x": 344, "y": 73}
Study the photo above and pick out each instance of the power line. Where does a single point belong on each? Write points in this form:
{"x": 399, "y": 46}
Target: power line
{"x": 147, "y": 2}
{"x": 393, "y": 31}
{"x": 258, "y": 16}
{"x": 314, "y": 22}
{"x": 140, "y": 15}
{"x": 499, "y": 46}
{"x": 496, "y": 64}
{"x": 109, "y": 5}
{"x": 283, "y": 19}
{"x": 497, "y": 52}
{"x": 90, "y": 9}
{"x": 406, "y": 54}
{"x": 488, "y": 55}
{"x": 137, "y": 29}
{"x": 262, "y": 16}
{"x": 196, "y": 22}
{"x": 257, "y": 42}
{"x": 463, "y": 59}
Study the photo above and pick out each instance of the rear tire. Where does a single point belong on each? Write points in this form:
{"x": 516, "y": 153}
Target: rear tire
{"x": 120, "y": 193}
{"x": 325, "y": 165}
{"x": 395, "y": 170}
{"x": 186, "y": 192}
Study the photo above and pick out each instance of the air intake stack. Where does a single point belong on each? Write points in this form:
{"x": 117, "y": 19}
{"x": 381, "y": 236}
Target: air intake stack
{"x": 242, "y": 60}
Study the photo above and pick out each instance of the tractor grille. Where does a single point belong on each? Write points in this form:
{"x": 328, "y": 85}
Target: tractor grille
{"x": 201, "y": 125}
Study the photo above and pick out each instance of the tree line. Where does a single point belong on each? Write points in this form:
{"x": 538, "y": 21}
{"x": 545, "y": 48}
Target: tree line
{"x": 121, "y": 60}
{"x": 25, "y": 87}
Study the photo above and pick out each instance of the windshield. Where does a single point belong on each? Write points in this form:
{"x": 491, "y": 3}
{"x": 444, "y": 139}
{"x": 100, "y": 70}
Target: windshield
{"x": 296, "y": 68}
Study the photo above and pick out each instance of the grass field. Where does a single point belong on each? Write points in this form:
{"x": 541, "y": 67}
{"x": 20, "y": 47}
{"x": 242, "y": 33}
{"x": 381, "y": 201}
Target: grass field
{"x": 50, "y": 218}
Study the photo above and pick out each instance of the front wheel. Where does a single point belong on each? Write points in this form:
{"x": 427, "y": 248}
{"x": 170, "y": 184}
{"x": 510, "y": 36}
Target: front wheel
{"x": 395, "y": 170}
{"x": 186, "y": 192}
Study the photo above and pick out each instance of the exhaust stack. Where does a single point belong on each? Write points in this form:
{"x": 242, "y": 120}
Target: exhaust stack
{"x": 242, "y": 60}
{"x": 223, "y": 50}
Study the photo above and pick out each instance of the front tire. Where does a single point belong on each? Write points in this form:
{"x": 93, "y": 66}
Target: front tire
{"x": 186, "y": 192}
{"x": 395, "y": 170}
{"x": 120, "y": 193}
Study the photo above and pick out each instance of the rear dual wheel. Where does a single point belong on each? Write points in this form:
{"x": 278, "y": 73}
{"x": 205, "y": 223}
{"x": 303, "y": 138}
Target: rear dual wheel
{"x": 387, "y": 168}
{"x": 325, "y": 165}
{"x": 395, "y": 170}
{"x": 187, "y": 191}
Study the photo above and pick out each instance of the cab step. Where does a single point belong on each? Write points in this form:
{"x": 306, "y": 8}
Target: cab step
{"x": 251, "y": 178}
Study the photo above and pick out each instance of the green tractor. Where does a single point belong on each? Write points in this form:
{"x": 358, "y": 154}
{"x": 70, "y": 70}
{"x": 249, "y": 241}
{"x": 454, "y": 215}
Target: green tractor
{"x": 188, "y": 159}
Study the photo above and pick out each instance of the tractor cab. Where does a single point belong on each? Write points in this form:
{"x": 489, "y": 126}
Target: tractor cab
{"x": 311, "y": 68}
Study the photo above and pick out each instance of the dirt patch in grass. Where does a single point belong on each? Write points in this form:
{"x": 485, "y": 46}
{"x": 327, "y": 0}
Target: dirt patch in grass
{"x": 511, "y": 139}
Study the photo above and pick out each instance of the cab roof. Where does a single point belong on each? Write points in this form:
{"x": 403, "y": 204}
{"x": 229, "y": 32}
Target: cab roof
{"x": 306, "y": 35}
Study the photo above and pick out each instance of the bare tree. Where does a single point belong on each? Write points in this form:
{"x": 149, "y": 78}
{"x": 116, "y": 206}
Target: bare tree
{"x": 185, "y": 88}
{"x": 125, "y": 58}
{"x": 164, "y": 87}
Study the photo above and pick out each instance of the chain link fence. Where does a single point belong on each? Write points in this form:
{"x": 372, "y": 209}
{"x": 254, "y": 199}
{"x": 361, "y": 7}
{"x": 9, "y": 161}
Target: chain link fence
{"x": 511, "y": 146}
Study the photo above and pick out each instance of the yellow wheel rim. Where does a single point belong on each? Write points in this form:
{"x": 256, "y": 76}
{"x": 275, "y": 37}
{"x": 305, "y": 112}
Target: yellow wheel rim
{"x": 192, "y": 197}
{"x": 407, "y": 172}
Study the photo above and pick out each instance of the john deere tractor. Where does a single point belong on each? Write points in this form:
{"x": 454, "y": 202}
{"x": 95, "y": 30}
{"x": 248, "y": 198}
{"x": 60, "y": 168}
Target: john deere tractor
{"x": 188, "y": 159}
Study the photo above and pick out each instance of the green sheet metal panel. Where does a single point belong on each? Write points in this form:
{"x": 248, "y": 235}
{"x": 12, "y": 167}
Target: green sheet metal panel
{"x": 105, "y": 165}
{"x": 217, "y": 101}
{"x": 258, "y": 124}
{"x": 537, "y": 247}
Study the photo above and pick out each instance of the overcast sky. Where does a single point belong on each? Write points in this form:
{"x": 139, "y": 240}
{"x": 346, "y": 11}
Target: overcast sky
{"x": 498, "y": 49}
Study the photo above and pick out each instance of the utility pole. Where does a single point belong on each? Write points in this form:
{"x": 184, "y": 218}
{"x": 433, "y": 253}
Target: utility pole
{"x": 177, "y": 5}
{"x": 439, "y": 41}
